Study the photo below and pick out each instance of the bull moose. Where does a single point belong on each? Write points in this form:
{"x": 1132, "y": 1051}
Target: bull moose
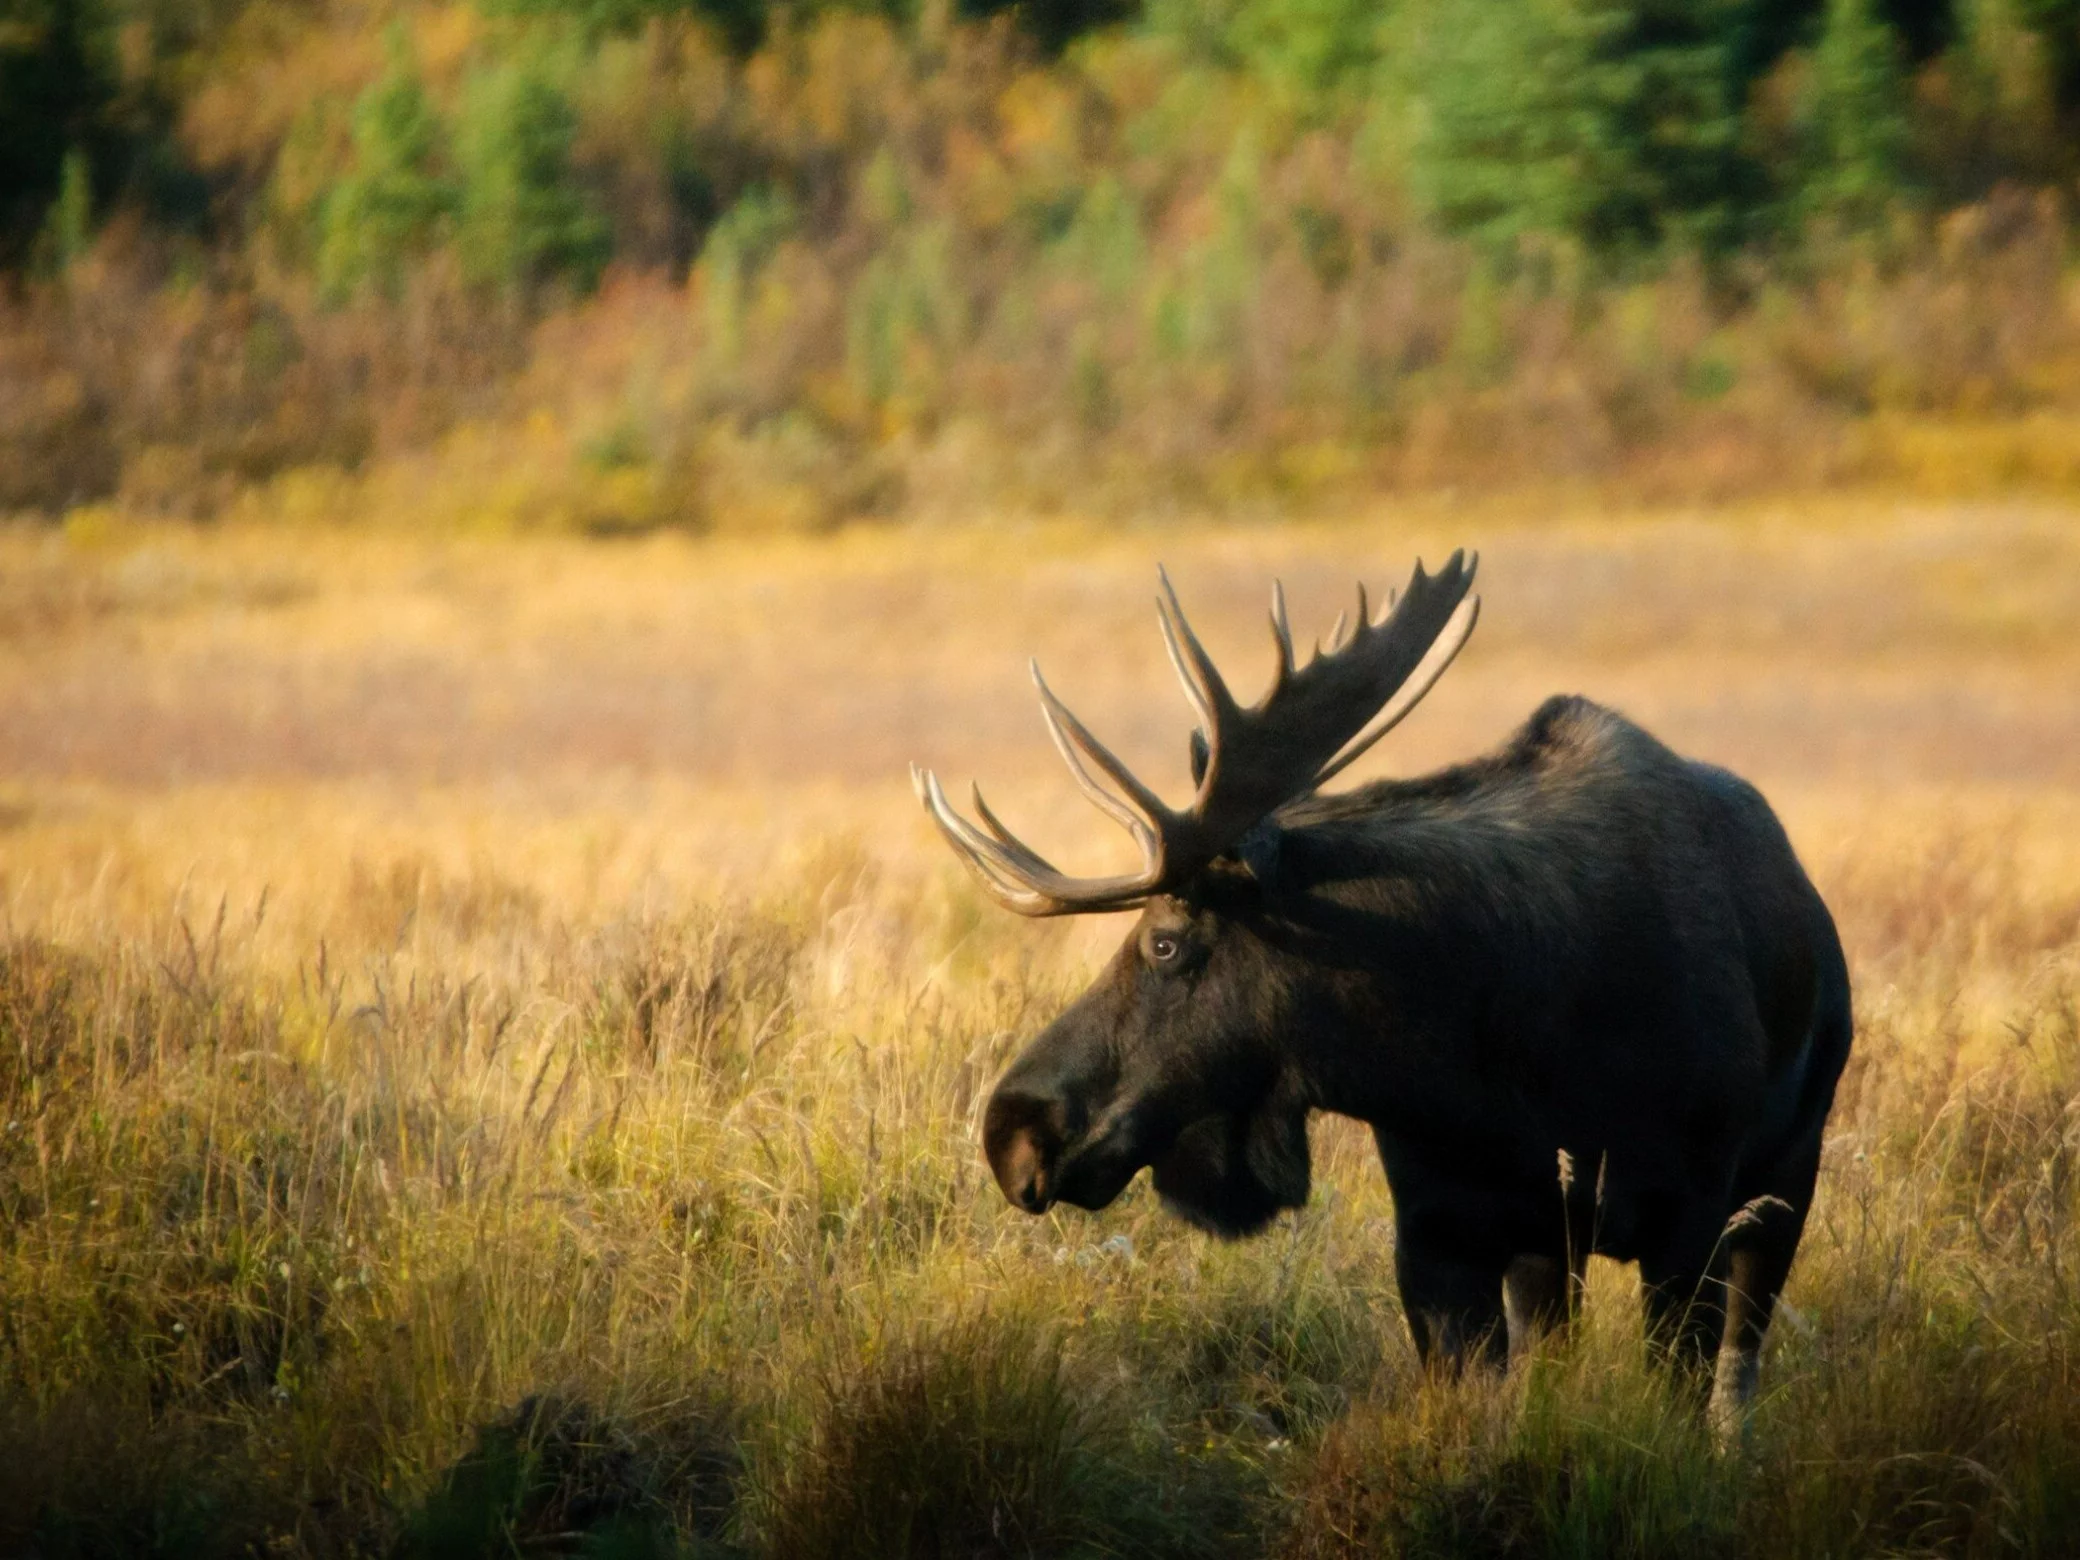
{"x": 1580, "y": 950}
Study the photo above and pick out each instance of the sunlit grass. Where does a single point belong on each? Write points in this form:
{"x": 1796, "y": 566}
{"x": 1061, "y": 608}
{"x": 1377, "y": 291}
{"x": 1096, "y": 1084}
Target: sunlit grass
{"x": 583, "y": 1159}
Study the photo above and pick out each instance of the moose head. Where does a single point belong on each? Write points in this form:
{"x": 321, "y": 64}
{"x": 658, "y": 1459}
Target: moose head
{"x": 1180, "y": 1056}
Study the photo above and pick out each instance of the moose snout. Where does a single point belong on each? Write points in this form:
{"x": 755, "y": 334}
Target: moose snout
{"x": 1022, "y": 1173}
{"x": 1023, "y": 1136}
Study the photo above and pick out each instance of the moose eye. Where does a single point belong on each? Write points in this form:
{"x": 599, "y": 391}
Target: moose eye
{"x": 1163, "y": 947}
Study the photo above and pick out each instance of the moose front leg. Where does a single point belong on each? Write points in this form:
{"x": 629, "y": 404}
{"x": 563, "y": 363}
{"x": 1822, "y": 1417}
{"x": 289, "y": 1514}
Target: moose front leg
{"x": 1448, "y": 1269}
{"x": 1454, "y": 1306}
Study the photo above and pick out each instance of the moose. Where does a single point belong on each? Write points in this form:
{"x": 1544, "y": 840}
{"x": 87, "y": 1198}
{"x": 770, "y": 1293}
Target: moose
{"x": 1581, "y": 990}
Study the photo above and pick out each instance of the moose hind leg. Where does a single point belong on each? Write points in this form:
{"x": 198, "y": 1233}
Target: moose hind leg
{"x": 1761, "y": 1239}
{"x": 1683, "y": 1295}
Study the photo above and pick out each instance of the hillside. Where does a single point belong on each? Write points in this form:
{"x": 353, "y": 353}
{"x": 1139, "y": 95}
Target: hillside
{"x": 619, "y": 264}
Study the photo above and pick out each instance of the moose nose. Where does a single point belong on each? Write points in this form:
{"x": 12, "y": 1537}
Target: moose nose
{"x": 1017, "y": 1137}
{"x": 1030, "y": 1192}
{"x": 1020, "y": 1164}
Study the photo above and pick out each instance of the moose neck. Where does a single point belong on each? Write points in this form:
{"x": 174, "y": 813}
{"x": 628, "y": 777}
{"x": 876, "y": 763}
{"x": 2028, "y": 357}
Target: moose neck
{"x": 1390, "y": 945}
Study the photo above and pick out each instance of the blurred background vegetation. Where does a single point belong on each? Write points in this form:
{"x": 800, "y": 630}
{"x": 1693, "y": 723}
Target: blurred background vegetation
{"x": 619, "y": 264}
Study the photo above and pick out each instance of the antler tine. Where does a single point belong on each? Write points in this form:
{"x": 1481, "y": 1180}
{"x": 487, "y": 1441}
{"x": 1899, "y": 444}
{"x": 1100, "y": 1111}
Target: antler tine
{"x": 1411, "y": 694}
{"x": 1195, "y": 668}
{"x": 1312, "y": 724}
{"x": 1019, "y": 878}
{"x": 1192, "y": 691}
{"x": 1336, "y": 629}
{"x": 1289, "y": 745}
{"x": 1004, "y": 884}
{"x": 979, "y": 848}
{"x": 1143, "y": 819}
{"x": 1282, "y": 632}
{"x": 1029, "y": 860}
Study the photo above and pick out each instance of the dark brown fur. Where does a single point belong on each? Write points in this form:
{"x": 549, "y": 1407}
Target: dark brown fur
{"x": 1580, "y": 946}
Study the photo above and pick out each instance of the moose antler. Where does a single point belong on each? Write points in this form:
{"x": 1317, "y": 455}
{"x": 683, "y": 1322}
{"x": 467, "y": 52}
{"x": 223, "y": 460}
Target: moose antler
{"x": 1312, "y": 724}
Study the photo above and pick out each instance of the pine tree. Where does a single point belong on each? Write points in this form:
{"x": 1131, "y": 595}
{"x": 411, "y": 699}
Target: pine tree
{"x": 58, "y": 83}
{"x": 392, "y": 206}
{"x": 524, "y": 219}
{"x": 71, "y": 226}
{"x": 1853, "y": 115}
{"x": 1609, "y": 122}
{"x": 739, "y": 243}
{"x": 1310, "y": 47}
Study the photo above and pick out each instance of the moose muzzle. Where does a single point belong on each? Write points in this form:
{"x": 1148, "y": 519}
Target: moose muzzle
{"x": 1045, "y": 1149}
{"x": 1023, "y": 1136}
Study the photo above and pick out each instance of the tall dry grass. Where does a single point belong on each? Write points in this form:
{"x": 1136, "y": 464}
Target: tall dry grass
{"x": 465, "y": 1155}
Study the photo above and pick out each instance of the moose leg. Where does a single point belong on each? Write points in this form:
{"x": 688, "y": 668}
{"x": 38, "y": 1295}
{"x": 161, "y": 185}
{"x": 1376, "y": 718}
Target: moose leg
{"x": 1454, "y": 1307}
{"x": 1761, "y": 1240}
{"x": 1682, "y": 1292}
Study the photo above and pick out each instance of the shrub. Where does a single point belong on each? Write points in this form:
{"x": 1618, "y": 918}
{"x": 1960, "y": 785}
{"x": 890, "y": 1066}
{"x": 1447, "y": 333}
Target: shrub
{"x": 979, "y": 1439}
{"x": 57, "y": 87}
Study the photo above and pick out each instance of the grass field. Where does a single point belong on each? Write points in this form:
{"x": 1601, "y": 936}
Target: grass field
{"x": 490, "y": 1049}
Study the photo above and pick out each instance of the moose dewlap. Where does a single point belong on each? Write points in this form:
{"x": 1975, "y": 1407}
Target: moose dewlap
{"x": 1581, "y": 950}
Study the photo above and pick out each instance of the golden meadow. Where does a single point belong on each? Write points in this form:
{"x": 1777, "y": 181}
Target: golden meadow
{"x": 489, "y": 1050}
{"x": 489, "y": 1047}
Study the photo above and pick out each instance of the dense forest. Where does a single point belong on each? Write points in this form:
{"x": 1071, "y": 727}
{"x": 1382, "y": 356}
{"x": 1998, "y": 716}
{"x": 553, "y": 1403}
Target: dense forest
{"x": 623, "y": 263}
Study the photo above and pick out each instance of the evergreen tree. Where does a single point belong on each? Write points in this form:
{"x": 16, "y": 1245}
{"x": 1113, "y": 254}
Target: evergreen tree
{"x": 57, "y": 85}
{"x": 524, "y": 219}
{"x": 2057, "y": 26}
{"x": 71, "y": 226}
{"x": 1854, "y": 119}
{"x": 392, "y": 206}
{"x": 1609, "y": 122}
{"x": 739, "y": 243}
{"x": 1053, "y": 24}
{"x": 1311, "y": 47}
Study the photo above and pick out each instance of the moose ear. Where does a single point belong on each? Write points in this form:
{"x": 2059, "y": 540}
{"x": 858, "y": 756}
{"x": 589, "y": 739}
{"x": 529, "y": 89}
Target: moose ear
{"x": 1259, "y": 851}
